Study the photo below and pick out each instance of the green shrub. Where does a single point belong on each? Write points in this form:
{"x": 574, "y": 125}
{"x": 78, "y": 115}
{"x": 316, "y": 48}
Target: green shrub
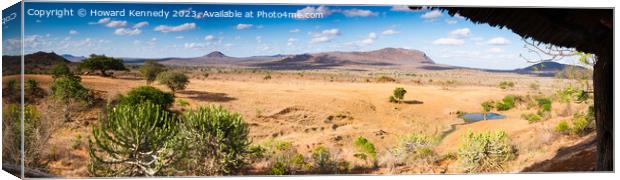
{"x": 135, "y": 140}
{"x": 11, "y": 92}
{"x": 582, "y": 123}
{"x": 484, "y": 152}
{"x": 365, "y": 150}
{"x": 33, "y": 132}
{"x": 399, "y": 93}
{"x": 385, "y": 79}
{"x": 267, "y": 77}
{"x": 487, "y": 106}
{"x": 282, "y": 152}
{"x": 142, "y": 94}
{"x": 506, "y": 104}
{"x": 61, "y": 70}
{"x": 150, "y": 69}
{"x": 278, "y": 169}
{"x": 506, "y": 84}
{"x": 414, "y": 147}
{"x": 544, "y": 104}
{"x": 182, "y": 103}
{"x": 33, "y": 91}
{"x": 322, "y": 159}
{"x": 220, "y": 143}
{"x": 562, "y": 127}
{"x": 531, "y": 117}
{"x": 68, "y": 90}
{"x": 173, "y": 80}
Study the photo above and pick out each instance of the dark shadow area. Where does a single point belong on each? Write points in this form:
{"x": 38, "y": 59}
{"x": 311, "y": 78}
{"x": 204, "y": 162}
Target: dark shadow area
{"x": 207, "y": 96}
{"x": 413, "y": 102}
{"x": 579, "y": 157}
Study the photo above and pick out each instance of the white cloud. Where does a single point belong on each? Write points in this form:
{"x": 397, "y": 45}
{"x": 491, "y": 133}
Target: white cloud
{"x": 389, "y": 32}
{"x": 451, "y": 21}
{"x": 243, "y": 26}
{"x": 210, "y": 38}
{"x": 73, "y": 32}
{"x": 116, "y": 24}
{"x": 180, "y": 37}
{"x": 103, "y": 21}
{"x": 141, "y": 24}
{"x": 325, "y": 36}
{"x": 369, "y": 40}
{"x": 449, "y": 41}
{"x": 431, "y": 14}
{"x": 460, "y": 33}
{"x": 457, "y": 15}
{"x": 294, "y": 30}
{"x": 127, "y": 32}
{"x": 291, "y": 41}
{"x": 358, "y": 13}
{"x": 302, "y": 13}
{"x": 182, "y": 27}
{"x": 495, "y": 50}
{"x": 498, "y": 41}
{"x": 193, "y": 45}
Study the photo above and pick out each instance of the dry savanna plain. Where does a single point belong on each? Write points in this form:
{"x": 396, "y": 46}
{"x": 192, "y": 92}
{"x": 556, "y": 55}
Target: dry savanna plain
{"x": 332, "y": 108}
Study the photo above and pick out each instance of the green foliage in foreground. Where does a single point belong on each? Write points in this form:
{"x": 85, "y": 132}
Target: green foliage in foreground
{"x": 11, "y": 138}
{"x": 413, "y": 148}
{"x": 282, "y": 157}
{"x": 581, "y": 123}
{"x": 484, "y": 152}
{"x": 135, "y": 140}
{"x": 147, "y": 93}
{"x": 220, "y": 143}
{"x": 365, "y": 150}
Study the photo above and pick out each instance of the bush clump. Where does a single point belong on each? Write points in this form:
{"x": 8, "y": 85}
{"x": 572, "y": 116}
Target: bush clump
{"x": 398, "y": 95}
{"x": 506, "y": 104}
{"x": 136, "y": 140}
{"x": 150, "y": 69}
{"x": 282, "y": 157}
{"x": 220, "y": 143}
{"x": 484, "y": 152}
{"x": 147, "y": 93}
{"x": 413, "y": 148}
{"x": 562, "y": 127}
{"x": 506, "y": 84}
{"x": 173, "y": 80}
{"x": 365, "y": 150}
{"x": 531, "y": 117}
{"x": 581, "y": 124}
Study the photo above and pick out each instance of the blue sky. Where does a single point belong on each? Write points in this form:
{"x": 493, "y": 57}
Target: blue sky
{"x": 446, "y": 39}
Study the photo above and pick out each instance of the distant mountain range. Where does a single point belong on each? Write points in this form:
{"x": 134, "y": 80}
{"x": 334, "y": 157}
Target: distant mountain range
{"x": 394, "y": 58}
{"x": 34, "y": 63}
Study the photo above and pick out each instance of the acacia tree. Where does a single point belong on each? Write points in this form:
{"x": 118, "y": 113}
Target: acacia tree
{"x": 173, "y": 80}
{"x": 135, "y": 140}
{"x": 102, "y": 64}
{"x": 150, "y": 69}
